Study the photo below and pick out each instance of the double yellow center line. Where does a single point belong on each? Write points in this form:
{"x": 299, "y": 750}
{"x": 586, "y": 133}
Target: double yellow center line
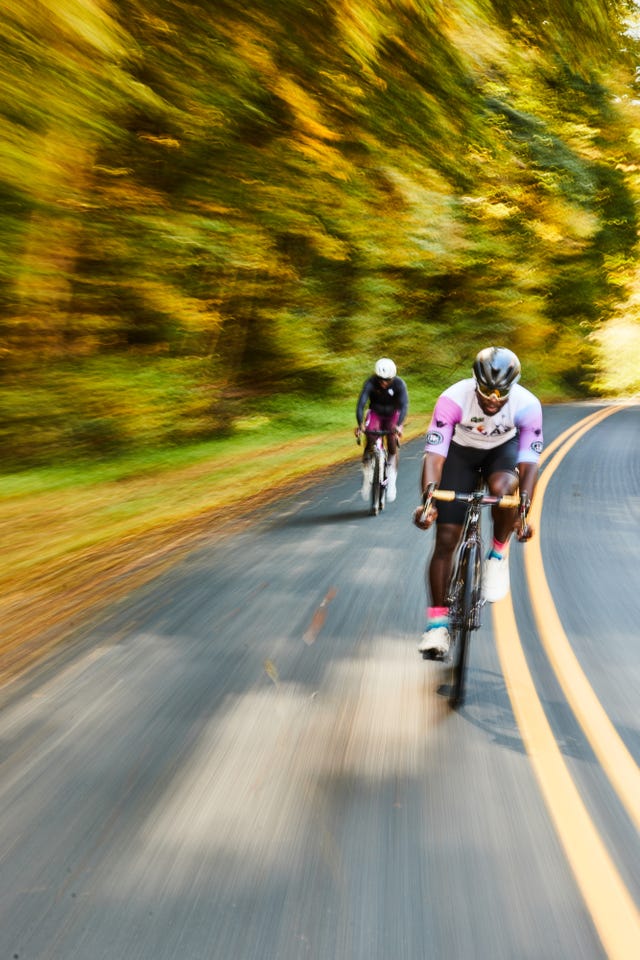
{"x": 613, "y": 911}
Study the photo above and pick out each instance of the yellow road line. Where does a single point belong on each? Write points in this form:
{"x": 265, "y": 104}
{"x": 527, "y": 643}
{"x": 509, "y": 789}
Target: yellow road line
{"x": 615, "y": 759}
{"x": 613, "y": 912}
{"x": 581, "y": 426}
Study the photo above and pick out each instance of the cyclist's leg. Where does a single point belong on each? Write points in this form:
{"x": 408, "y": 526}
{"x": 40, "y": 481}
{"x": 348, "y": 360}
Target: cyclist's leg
{"x": 439, "y": 572}
{"x": 501, "y": 474}
{"x": 390, "y": 423}
{"x": 459, "y": 473}
{"x": 371, "y": 422}
{"x": 502, "y": 478}
{"x": 435, "y": 640}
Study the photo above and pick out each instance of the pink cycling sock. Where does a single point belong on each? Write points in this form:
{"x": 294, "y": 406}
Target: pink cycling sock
{"x": 499, "y": 547}
{"x": 437, "y": 616}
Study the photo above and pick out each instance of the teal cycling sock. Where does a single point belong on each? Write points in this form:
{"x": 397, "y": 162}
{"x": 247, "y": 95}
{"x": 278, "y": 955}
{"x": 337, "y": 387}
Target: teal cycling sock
{"x": 437, "y": 617}
{"x": 498, "y": 549}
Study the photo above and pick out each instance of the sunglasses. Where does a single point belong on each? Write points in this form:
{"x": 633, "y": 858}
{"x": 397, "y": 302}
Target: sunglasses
{"x": 495, "y": 394}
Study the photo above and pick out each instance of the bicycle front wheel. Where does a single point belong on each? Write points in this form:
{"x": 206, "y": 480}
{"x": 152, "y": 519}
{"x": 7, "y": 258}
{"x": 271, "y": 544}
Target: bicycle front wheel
{"x": 377, "y": 487}
{"x": 464, "y": 616}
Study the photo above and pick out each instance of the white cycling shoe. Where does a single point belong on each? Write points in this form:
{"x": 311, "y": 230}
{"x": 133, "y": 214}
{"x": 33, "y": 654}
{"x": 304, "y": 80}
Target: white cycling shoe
{"x": 367, "y": 480}
{"x": 391, "y": 484}
{"x": 434, "y": 643}
{"x": 495, "y": 579}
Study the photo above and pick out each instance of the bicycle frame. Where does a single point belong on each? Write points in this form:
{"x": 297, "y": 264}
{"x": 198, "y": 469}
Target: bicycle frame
{"x": 467, "y": 557}
{"x": 464, "y": 595}
{"x": 380, "y": 464}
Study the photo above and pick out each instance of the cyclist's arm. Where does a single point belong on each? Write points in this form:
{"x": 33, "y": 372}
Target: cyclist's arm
{"x": 426, "y": 513}
{"x": 443, "y": 421}
{"x": 528, "y": 477}
{"x": 432, "y": 466}
{"x": 530, "y": 442}
{"x": 403, "y": 400}
{"x": 528, "y": 421}
{"x": 365, "y": 393}
{"x": 446, "y": 414}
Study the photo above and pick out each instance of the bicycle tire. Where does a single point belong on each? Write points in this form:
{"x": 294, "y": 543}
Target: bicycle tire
{"x": 463, "y": 617}
{"x": 375, "y": 485}
{"x": 383, "y": 481}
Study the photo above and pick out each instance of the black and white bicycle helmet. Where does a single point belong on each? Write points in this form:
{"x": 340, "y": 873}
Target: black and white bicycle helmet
{"x": 496, "y": 369}
{"x": 385, "y": 369}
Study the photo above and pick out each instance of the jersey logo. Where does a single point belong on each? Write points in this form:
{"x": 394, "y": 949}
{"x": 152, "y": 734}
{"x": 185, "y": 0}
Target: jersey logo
{"x": 434, "y": 438}
{"x": 536, "y": 446}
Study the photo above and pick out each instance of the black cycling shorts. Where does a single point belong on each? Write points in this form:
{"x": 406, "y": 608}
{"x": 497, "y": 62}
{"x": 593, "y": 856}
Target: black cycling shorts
{"x": 461, "y": 468}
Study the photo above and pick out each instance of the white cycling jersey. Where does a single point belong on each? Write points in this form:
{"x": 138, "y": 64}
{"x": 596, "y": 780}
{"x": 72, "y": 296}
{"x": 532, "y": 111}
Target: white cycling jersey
{"x": 458, "y": 416}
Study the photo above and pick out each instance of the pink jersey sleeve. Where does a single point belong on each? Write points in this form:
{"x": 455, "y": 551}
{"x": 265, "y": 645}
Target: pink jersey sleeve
{"x": 445, "y": 416}
{"x": 529, "y": 424}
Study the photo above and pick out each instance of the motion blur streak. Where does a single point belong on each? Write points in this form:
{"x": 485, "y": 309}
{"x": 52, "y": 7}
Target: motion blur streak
{"x": 614, "y": 757}
{"x": 613, "y": 912}
{"x": 251, "y": 814}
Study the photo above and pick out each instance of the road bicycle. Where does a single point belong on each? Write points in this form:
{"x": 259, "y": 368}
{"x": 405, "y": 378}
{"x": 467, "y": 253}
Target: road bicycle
{"x": 380, "y": 461}
{"x": 464, "y": 594}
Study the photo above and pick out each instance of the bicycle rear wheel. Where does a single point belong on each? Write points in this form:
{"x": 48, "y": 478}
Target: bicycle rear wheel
{"x": 464, "y": 617}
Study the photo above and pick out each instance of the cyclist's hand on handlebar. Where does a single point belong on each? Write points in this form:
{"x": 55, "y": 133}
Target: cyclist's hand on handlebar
{"x": 524, "y": 531}
{"x": 399, "y": 429}
{"x": 425, "y": 515}
{"x": 424, "y": 518}
{"x": 357, "y": 432}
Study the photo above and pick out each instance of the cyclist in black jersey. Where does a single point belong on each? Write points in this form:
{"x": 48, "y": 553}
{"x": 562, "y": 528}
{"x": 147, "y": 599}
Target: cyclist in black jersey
{"x": 385, "y": 399}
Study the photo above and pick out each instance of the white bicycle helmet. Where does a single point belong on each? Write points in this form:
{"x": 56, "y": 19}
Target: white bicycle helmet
{"x": 385, "y": 369}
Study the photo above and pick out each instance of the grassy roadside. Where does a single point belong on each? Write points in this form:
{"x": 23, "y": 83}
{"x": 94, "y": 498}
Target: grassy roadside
{"x": 79, "y": 539}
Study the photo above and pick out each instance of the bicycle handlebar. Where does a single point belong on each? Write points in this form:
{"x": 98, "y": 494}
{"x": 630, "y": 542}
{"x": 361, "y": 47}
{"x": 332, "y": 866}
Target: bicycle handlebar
{"x": 476, "y": 496}
{"x": 507, "y": 500}
{"x": 377, "y": 433}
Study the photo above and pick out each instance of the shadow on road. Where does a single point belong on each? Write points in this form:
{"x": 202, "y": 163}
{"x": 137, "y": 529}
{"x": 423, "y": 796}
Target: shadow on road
{"x": 488, "y": 707}
{"x": 322, "y": 518}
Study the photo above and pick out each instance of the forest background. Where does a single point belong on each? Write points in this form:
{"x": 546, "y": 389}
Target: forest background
{"x": 215, "y": 216}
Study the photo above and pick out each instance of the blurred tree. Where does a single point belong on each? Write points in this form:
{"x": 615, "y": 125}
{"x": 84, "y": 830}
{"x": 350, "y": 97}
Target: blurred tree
{"x": 207, "y": 204}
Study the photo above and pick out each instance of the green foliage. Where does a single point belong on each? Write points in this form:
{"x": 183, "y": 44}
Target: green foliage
{"x": 205, "y": 207}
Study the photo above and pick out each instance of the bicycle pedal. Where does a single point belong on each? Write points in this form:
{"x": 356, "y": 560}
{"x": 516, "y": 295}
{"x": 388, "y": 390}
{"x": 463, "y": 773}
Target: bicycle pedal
{"x": 434, "y": 655}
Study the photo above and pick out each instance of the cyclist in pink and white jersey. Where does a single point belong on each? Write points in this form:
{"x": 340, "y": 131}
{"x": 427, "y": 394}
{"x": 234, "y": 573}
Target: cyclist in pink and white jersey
{"x": 488, "y": 423}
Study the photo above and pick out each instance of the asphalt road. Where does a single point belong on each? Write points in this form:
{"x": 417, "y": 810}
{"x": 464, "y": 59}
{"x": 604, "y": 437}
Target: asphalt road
{"x": 248, "y": 760}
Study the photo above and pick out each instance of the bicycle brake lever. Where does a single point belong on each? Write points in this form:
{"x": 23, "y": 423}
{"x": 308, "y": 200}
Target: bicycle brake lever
{"x": 525, "y": 504}
{"x": 427, "y": 499}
